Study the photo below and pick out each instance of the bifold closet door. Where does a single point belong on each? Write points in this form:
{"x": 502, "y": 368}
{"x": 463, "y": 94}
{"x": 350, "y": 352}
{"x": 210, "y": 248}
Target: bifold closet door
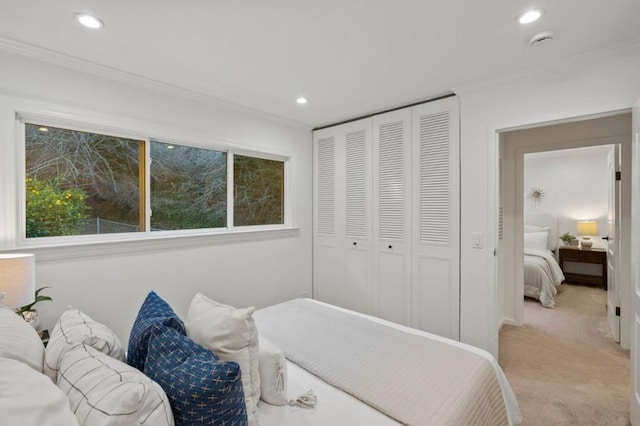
{"x": 357, "y": 240}
{"x": 436, "y": 218}
{"x": 328, "y": 265}
{"x": 392, "y": 216}
{"x": 343, "y": 218}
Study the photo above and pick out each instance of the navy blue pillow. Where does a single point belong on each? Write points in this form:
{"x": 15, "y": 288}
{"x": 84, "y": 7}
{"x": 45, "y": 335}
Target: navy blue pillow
{"x": 202, "y": 389}
{"x": 153, "y": 312}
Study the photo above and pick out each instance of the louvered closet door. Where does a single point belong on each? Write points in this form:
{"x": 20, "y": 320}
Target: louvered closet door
{"x": 357, "y": 294}
{"x": 391, "y": 212}
{"x": 436, "y": 218}
{"x": 327, "y": 242}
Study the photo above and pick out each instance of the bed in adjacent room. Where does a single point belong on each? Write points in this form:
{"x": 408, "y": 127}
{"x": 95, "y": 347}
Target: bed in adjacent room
{"x": 542, "y": 274}
{"x": 365, "y": 370}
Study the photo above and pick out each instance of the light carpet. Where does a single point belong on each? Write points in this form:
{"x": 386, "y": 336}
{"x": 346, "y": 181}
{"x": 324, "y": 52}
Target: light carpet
{"x": 563, "y": 364}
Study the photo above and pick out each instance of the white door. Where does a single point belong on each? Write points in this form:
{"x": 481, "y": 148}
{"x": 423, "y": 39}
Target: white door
{"x": 327, "y": 263}
{"x": 342, "y": 222}
{"x": 613, "y": 280}
{"x": 392, "y": 216}
{"x": 635, "y": 268}
{"x": 436, "y": 218}
{"x": 357, "y": 294}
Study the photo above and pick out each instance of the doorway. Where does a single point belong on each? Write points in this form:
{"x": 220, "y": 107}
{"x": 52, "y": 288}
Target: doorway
{"x": 514, "y": 144}
{"x": 551, "y": 371}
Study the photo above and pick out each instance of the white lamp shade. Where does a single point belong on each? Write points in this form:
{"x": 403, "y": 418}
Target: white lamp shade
{"x": 587, "y": 227}
{"x": 17, "y": 279}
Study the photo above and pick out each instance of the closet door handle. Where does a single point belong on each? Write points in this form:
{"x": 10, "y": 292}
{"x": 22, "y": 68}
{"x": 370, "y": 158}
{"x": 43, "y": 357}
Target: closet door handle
{"x": 390, "y": 246}
{"x": 355, "y": 244}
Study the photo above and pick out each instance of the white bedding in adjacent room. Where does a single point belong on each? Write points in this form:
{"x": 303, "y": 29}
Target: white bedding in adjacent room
{"x": 337, "y": 407}
{"x": 542, "y": 276}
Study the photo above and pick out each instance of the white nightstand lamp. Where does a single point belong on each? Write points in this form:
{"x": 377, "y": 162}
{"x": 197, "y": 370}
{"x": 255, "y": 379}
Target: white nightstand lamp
{"x": 587, "y": 229}
{"x": 17, "y": 280}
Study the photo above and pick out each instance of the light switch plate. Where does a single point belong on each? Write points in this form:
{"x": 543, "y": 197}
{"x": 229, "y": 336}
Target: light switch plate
{"x": 477, "y": 240}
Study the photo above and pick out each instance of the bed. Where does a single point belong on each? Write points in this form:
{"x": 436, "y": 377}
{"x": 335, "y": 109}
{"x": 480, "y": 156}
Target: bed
{"x": 365, "y": 370}
{"x": 542, "y": 274}
{"x": 353, "y": 369}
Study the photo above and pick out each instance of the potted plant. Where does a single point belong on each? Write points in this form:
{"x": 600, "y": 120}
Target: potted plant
{"x": 567, "y": 237}
{"x": 29, "y": 314}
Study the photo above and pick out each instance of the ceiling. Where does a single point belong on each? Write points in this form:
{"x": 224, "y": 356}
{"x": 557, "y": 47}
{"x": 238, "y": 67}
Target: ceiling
{"x": 349, "y": 57}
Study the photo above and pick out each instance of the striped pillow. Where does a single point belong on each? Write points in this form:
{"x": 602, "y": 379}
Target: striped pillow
{"x": 105, "y": 391}
{"x": 73, "y": 328}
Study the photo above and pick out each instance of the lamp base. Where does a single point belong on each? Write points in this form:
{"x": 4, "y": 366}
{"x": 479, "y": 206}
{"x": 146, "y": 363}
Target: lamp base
{"x": 32, "y": 318}
{"x": 586, "y": 243}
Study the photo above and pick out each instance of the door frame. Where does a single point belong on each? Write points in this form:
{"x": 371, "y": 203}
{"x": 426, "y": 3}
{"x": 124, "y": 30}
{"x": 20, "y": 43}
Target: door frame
{"x": 518, "y": 224}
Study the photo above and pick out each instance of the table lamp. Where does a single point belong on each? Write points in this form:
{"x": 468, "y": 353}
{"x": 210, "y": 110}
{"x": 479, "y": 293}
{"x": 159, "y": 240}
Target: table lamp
{"x": 17, "y": 279}
{"x": 586, "y": 229}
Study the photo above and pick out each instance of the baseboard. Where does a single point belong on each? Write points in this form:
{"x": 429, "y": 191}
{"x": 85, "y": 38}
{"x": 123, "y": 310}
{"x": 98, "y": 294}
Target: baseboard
{"x": 506, "y": 321}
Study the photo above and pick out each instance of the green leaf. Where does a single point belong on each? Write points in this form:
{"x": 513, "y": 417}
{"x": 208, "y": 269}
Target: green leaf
{"x": 38, "y": 298}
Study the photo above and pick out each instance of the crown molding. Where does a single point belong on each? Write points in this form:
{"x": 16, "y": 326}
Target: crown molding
{"x": 89, "y": 67}
{"x": 594, "y": 57}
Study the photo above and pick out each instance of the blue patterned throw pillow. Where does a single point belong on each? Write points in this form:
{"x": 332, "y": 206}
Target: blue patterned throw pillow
{"x": 153, "y": 312}
{"x": 202, "y": 389}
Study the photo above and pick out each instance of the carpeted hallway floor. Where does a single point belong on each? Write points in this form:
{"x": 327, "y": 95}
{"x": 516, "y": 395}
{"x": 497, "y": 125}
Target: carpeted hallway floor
{"x": 563, "y": 364}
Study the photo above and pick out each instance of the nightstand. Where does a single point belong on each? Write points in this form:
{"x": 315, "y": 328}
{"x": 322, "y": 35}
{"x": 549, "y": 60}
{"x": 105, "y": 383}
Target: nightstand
{"x": 588, "y": 267}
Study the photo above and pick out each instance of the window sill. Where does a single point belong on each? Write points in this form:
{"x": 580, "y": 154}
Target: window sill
{"x": 149, "y": 243}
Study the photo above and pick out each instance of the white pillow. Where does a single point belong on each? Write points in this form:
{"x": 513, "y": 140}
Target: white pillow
{"x": 73, "y": 328}
{"x": 535, "y": 228}
{"x": 231, "y": 334}
{"x": 536, "y": 240}
{"x": 273, "y": 374}
{"x": 20, "y": 341}
{"x": 104, "y": 391}
{"x": 30, "y": 398}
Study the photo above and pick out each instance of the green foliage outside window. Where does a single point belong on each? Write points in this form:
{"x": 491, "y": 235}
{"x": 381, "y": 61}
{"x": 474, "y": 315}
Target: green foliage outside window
{"x": 104, "y": 168}
{"x": 87, "y": 183}
{"x": 188, "y": 187}
{"x": 52, "y": 210}
{"x": 258, "y": 191}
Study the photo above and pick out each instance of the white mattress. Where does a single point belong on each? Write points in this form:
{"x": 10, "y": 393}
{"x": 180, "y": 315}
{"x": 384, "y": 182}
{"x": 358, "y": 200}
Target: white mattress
{"x": 335, "y": 407}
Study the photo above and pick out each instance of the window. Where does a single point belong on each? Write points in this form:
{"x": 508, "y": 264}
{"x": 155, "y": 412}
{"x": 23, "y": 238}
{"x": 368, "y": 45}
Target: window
{"x": 258, "y": 186}
{"x": 188, "y": 187}
{"x": 85, "y": 183}
{"x": 80, "y": 183}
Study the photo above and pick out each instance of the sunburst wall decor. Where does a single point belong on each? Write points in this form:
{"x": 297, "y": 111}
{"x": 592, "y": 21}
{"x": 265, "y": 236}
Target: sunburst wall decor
{"x": 536, "y": 195}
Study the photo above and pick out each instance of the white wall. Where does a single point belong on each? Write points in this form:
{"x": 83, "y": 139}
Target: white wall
{"x": 574, "y": 90}
{"x": 575, "y": 185}
{"x": 110, "y": 283}
{"x": 635, "y": 264}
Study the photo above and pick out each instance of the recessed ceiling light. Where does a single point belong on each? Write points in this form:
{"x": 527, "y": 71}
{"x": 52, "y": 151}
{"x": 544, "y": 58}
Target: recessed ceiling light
{"x": 43, "y": 129}
{"x": 89, "y": 21}
{"x": 530, "y": 16}
{"x": 302, "y": 100}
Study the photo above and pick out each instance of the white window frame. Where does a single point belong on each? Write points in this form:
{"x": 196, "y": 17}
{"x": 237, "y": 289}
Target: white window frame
{"x": 75, "y": 245}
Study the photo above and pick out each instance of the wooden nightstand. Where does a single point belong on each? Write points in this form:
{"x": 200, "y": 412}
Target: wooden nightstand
{"x": 596, "y": 258}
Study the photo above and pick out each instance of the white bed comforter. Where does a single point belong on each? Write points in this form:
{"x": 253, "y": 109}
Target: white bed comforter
{"x": 542, "y": 276}
{"x": 411, "y": 376}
